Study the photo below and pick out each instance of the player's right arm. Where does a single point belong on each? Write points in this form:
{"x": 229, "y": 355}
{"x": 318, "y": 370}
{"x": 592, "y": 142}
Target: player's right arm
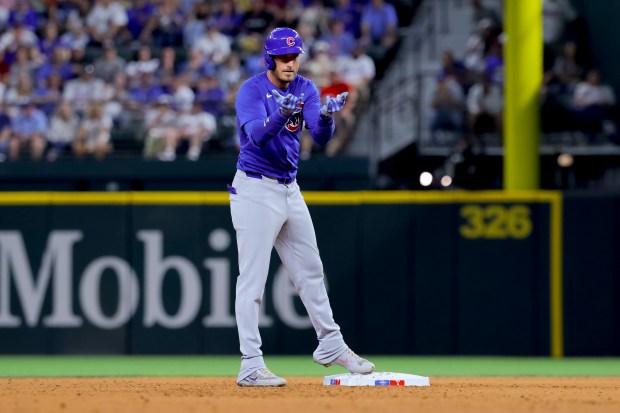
{"x": 257, "y": 124}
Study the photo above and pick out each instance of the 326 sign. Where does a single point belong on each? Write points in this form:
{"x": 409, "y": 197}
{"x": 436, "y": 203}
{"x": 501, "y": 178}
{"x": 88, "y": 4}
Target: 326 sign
{"x": 495, "y": 221}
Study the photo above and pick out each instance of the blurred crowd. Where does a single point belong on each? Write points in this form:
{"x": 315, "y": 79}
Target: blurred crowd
{"x": 468, "y": 98}
{"x": 76, "y": 74}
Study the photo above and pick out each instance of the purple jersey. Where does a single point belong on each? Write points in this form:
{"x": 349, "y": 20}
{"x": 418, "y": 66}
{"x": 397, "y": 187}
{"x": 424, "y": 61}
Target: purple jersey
{"x": 269, "y": 141}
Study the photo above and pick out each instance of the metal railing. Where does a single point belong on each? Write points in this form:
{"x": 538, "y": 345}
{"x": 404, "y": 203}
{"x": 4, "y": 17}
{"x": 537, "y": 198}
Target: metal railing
{"x": 394, "y": 118}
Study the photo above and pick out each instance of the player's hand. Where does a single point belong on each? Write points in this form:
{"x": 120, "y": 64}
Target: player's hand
{"x": 333, "y": 105}
{"x": 289, "y": 104}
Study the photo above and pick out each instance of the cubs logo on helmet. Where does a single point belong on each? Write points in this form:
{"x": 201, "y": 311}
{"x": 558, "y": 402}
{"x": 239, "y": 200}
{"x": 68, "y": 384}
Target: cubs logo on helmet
{"x": 281, "y": 41}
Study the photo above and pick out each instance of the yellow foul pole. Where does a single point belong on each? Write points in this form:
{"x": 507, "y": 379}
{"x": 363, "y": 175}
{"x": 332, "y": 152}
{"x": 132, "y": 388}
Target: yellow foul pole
{"x": 523, "y": 57}
{"x": 523, "y": 65}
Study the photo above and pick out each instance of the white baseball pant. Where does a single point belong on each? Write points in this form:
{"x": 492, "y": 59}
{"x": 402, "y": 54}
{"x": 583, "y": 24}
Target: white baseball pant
{"x": 265, "y": 214}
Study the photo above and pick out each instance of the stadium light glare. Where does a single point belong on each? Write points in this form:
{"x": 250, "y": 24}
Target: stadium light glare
{"x": 565, "y": 160}
{"x": 426, "y": 178}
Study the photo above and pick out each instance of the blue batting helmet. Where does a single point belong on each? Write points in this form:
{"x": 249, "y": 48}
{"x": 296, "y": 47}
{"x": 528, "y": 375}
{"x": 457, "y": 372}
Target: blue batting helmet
{"x": 281, "y": 41}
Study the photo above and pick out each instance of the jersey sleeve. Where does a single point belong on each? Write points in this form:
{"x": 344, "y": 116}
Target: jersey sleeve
{"x": 253, "y": 118}
{"x": 247, "y": 105}
{"x": 321, "y": 127}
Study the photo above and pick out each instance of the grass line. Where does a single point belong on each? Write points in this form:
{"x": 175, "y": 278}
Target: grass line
{"x": 227, "y": 366}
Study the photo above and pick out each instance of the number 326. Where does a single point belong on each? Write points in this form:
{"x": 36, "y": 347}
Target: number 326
{"x": 496, "y": 221}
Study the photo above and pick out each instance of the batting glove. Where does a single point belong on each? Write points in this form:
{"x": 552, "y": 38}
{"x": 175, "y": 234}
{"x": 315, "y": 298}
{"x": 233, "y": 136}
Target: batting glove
{"x": 333, "y": 105}
{"x": 289, "y": 104}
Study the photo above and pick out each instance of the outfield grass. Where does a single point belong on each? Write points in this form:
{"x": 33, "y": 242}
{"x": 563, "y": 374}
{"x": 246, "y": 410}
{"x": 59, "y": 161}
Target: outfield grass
{"x": 101, "y": 366}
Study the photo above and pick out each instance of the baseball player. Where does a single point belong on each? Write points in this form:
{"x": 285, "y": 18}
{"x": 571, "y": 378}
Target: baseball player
{"x": 268, "y": 209}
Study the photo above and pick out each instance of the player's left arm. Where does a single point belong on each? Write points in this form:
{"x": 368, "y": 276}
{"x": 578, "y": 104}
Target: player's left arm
{"x": 320, "y": 123}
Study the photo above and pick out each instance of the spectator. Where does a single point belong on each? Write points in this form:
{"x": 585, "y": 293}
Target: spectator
{"x": 48, "y": 93}
{"x": 450, "y": 66}
{"x": 64, "y": 127}
{"x": 592, "y": 92}
{"x": 378, "y": 27}
{"x": 29, "y": 128}
{"x": 255, "y": 23}
{"x": 196, "y": 22}
{"x": 448, "y": 108}
{"x": 143, "y": 62}
{"x": 138, "y": 14}
{"x": 167, "y": 68}
{"x": 84, "y": 89}
{"x": 58, "y": 64}
{"x": 290, "y": 15}
{"x": 337, "y": 86}
{"x": 482, "y": 12}
{"x": 346, "y": 121}
{"x": 349, "y": 12}
{"x": 94, "y": 133}
{"x": 316, "y": 16}
{"x": 231, "y": 73}
{"x": 214, "y": 46}
{"x": 228, "y": 19}
{"x": 257, "y": 20}
{"x": 254, "y": 63}
{"x": 105, "y": 21}
{"x": 340, "y": 42}
{"x": 594, "y": 104}
{"x": 556, "y": 15}
{"x": 6, "y": 132}
{"x": 478, "y": 45}
{"x": 62, "y": 11}
{"x": 494, "y": 64}
{"x": 50, "y": 40}
{"x": 160, "y": 125}
{"x": 165, "y": 26}
{"x": 24, "y": 65}
{"x": 484, "y": 107}
{"x": 182, "y": 95}
{"x": 23, "y": 13}
{"x": 210, "y": 95}
{"x": 116, "y": 102}
{"x": 75, "y": 39}
{"x": 228, "y": 136}
{"x": 5, "y": 8}
{"x": 186, "y": 6}
{"x": 14, "y": 38}
{"x": 344, "y": 127}
{"x": 566, "y": 68}
{"x": 18, "y": 94}
{"x": 195, "y": 126}
{"x": 359, "y": 71}
{"x": 196, "y": 66}
{"x": 319, "y": 65}
{"x": 108, "y": 66}
{"x": 310, "y": 37}
{"x": 147, "y": 91}
{"x": 558, "y": 90}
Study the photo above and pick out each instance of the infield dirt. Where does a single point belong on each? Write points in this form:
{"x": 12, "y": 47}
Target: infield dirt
{"x": 307, "y": 394}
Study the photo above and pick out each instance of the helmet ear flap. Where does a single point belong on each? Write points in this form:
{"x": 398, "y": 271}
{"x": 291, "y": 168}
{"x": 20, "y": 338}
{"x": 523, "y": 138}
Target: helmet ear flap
{"x": 269, "y": 61}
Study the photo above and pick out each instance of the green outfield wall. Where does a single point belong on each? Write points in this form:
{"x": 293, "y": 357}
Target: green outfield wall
{"x": 485, "y": 273}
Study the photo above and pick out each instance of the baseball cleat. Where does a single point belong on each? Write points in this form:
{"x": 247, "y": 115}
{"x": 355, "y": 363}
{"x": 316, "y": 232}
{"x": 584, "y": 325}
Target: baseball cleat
{"x": 262, "y": 377}
{"x": 352, "y": 362}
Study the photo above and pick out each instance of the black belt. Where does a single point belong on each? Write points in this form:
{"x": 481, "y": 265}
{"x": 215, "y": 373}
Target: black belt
{"x": 284, "y": 181}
